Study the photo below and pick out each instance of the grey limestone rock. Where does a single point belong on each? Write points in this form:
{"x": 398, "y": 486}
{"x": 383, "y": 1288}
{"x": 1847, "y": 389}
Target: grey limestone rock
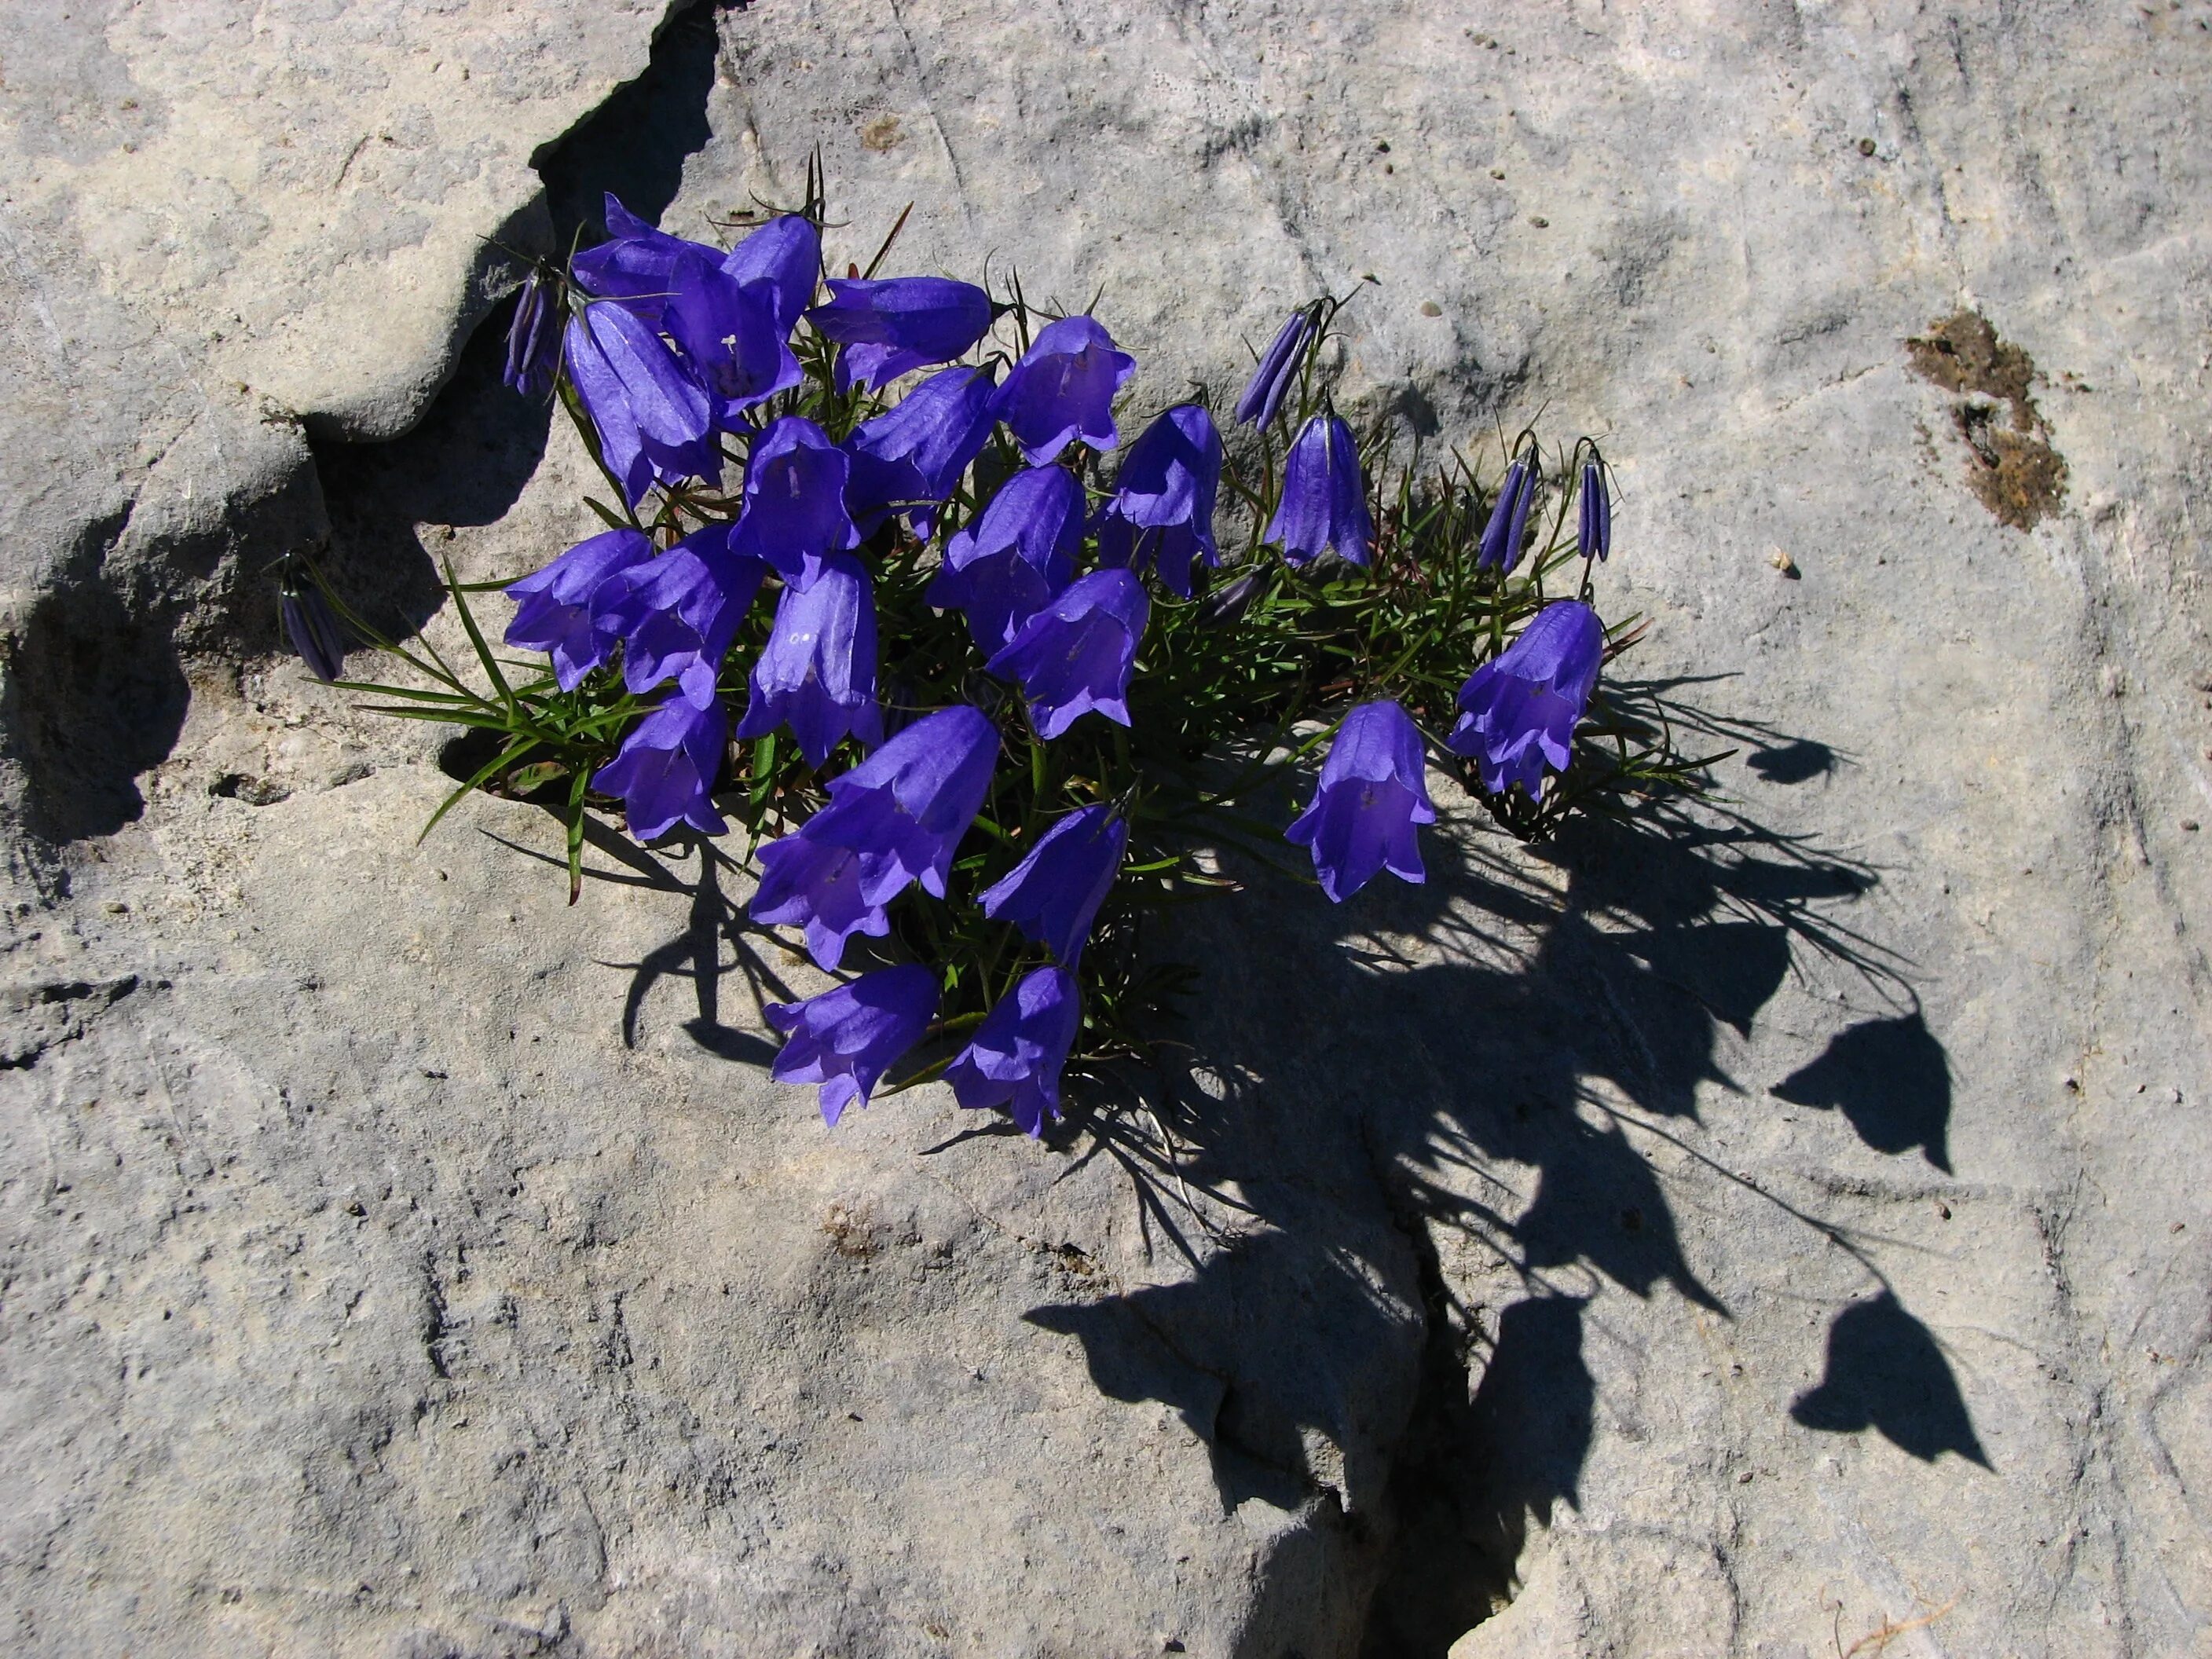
{"x": 1759, "y": 1230}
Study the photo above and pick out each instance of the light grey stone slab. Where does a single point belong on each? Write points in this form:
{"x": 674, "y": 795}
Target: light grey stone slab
{"x": 1739, "y": 1238}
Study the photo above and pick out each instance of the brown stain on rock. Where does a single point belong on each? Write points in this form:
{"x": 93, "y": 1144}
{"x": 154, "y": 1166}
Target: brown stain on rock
{"x": 2016, "y": 474}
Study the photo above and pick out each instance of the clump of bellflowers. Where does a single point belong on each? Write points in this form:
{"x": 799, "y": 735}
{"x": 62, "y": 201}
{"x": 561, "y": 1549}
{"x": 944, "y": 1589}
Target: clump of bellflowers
{"x": 984, "y": 658}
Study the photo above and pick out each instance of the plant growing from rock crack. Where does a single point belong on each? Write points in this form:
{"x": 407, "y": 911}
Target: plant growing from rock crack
{"x": 1001, "y": 699}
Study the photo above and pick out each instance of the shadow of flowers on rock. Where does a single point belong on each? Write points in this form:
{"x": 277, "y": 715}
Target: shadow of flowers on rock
{"x": 1887, "y": 1373}
{"x": 1891, "y": 1080}
{"x": 1486, "y": 1067}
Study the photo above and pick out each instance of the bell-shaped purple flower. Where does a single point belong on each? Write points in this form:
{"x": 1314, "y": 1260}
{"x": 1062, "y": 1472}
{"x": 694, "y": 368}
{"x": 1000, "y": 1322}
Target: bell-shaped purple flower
{"x": 667, "y": 766}
{"x": 1161, "y": 514}
{"x": 786, "y": 252}
{"x": 1052, "y": 894}
{"x": 894, "y": 818}
{"x": 1278, "y": 370}
{"x": 1372, "y": 794}
{"x": 1005, "y": 565}
{"x": 677, "y": 614}
{"x": 1594, "y": 537}
{"x": 909, "y": 459}
{"x": 653, "y": 420}
{"x": 1016, "y": 1054}
{"x": 1509, "y": 519}
{"x": 898, "y": 324}
{"x": 729, "y": 337}
{"x": 533, "y": 339}
{"x": 817, "y": 671}
{"x": 555, "y": 608}
{"x": 1077, "y": 653}
{"x": 1063, "y": 389}
{"x": 794, "y": 512}
{"x": 635, "y": 265}
{"x": 847, "y": 1038}
{"x": 1518, "y": 712}
{"x": 1324, "y": 504}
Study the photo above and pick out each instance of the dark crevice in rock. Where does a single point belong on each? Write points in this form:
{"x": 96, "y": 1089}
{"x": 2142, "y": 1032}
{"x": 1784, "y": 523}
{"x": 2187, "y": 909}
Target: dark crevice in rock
{"x": 635, "y": 144}
{"x": 1446, "y": 1570}
{"x": 97, "y": 678}
{"x": 394, "y": 506}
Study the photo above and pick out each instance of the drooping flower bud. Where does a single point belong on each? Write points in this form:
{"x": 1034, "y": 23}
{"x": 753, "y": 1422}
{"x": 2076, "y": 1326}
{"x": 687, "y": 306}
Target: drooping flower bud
{"x": 1593, "y": 535}
{"x": 1509, "y": 519}
{"x": 1077, "y": 653}
{"x": 666, "y": 767}
{"x": 533, "y": 339}
{"x": 313, "y": 629}
{"x": 909, "y": 459}
{"x": 1373, "y": 793}
{"x": 894, "y": 818}
{"x": 817, "y": 671}
{"x": 1278, "y": 370}
{"x": 1162, "y": 513}
{"x": 1017, "y": 1052}
{"x": 1063, "y": 389}
{"x": 1518, "y": 712}
{"x": 557, "y": 609}
{"x": 1053, "y": 894}
{"x": 1005, "y": 565}
{"x": 899, "y": 324}
{"x": 1228, "y": 604}
{"x": 653, "y": 420}
{"x": 847, "y": 1038}
{"x": 1324, "y": 504}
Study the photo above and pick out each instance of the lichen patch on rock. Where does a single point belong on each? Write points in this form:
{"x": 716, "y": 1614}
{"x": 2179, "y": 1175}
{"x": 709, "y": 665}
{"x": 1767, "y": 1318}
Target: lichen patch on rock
{"x": 2016, "y": 473}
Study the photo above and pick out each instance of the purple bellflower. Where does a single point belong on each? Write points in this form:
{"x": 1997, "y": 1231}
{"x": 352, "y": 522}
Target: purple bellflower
{"x": 1162, "y": 513}
{"x": 1278, "y": 370}
{"x": 847, "y": 1038}
{"x": 1518, "y": 712}
{"x": 909, "y": 459}
{"x": 1004, "y": 566}
{"x": 894, "y": 818}
{"x": 1372, "y": 794}
{"x": 1324, "y": 504}
{"x": 677, "y": 614}
{"x": 652, "y": 418}
{"x": 786, "y": 254}
{"x": 817, "y": 671}
{"x": 1077, "y": 653}
{"x": 1053, "y": 894}
{"x": 794, "y": 511}
{"x": 1063, "y": 389}
{"x": 1509, "y": 519}
{"x": 555, "y": 609}
{"x": 1594, "y": 538}
{"x": 727, "y": 330}
{"x": 635, "y": 265}
{"x": 901, "y": 323}
{"x": 1016, "y": 1056}
{"x": 533, "y": 339}
{"x": 667, "y": 766}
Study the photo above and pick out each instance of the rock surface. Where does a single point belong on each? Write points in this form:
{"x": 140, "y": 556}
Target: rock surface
{"x": 1748, "y": 1234}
